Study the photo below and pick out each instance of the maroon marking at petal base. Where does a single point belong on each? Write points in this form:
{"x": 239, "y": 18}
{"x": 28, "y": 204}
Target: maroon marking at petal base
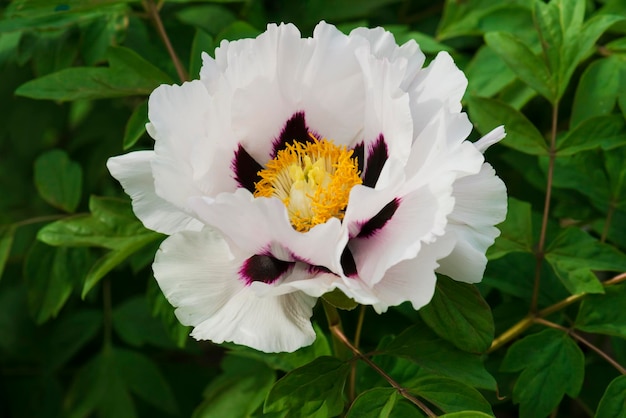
{"x": 379, "y": 220}
{"x": 347, "y": 263}
{"x": 295, "y": 130}
{"x": 359, "y": 154}
{"x": 376, "y": 157}
{"x": 263, "y": 268}
{"x": 246, "y": 169}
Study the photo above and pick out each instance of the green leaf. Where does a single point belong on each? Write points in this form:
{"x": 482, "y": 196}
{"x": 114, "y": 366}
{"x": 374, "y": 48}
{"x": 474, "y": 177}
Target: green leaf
{"x": 143, "y": 378}
{"x": 552, "y": 365}
{"x": 237, "y": 30}
{"x": 382, "y": 403}
{"x": 202, "y": 42}
{"x": 313, "y": 390}
{"x": 487, "y": 74}
{"x": 599, "y": 85}
{"x": 613, "y": 403}
{"x": 599, "y": 131}
{"x": 449, "y": 395}
{"x": 524, "y": 63}
{"x": 69, "y": 334}
{"x": 339, "y": 300}
{"x": 59, "y": 180}
{"x": 604, "y": 314}
{"x": 51, "y": 274}
{"x": 136, "y": 125}
{"x": 521, "y": 134}
{"x": 574, "y": 254}
{"x": 133, "y": 322}
{"x": 105, "y": 385}
{"x": 422, "y": 346}
{"x": 111, "y": 225}
{"x": 7, "y": 232}
{"x": 238, "y": 391}
{"x": 127, "y": 75}
{"x": 466, "y": 414}
{"x": 459, "y": 314}
{"x": 516, "y": 232}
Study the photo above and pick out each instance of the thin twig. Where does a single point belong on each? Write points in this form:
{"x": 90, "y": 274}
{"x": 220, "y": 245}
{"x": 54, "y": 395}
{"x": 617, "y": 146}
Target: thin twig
{"x": 401, "y": 390}
{"x": 583, "y": 341}
{"x": 546, "y": 209}
{"x": 153, "y": 11}
{"x": 357, "y": 341}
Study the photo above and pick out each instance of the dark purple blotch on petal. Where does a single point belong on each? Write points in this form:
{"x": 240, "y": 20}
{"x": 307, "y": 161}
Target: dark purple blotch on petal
{"x": 347, "y": 263}
{"x": 295, "y": 130}
{"x": 263, "y": 268}
{"x": 359, "y": 154}
{"x": 376, "y": 158}
{"x": 246, "y": 169}
{"x": 379, "y": 220}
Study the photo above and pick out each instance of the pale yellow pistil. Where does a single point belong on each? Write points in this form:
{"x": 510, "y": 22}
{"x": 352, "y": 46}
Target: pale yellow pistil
{"x": 313, "y": 180}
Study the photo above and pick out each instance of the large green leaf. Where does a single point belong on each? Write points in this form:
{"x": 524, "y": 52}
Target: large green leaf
{"x": 134, "y": 323}
{"x": 128, "y": 74}
{"x": 605, "y": 131}
{"x": 604, "y": 314}
{"x": 104, "y": 385}
{"x": 521, "y": 134}
{"x": 7, "y": 232}
{"x": 422, "y": 346}
{"x": 599, "y": 85}
{"x": 574, "y": 255}
{"x": 516, "y": 232}
{"x": 382, "y": 403}
{"x": 459, "y": 314}
{"x": 59, "y": 180}
{"x": 69, "y": 334}
{"x": 111, "y": 225}
{"x": 51, "y": 275}
{"x": 313, "y": 390}
{"x": 449, "y": 395}
{"x": 238, "y": 391}
{"x": 613, "y": 403}
{"x": 524, "y": 63}
{"x": 552, "y": 365}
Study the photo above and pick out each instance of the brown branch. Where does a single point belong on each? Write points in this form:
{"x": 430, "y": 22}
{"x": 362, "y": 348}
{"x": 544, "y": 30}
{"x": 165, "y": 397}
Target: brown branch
{"x": 401, "y": 390}
{"x": 153, "y": 12}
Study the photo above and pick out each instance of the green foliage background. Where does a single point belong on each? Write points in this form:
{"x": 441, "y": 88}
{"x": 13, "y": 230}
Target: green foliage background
{"x": 85, "y": 331}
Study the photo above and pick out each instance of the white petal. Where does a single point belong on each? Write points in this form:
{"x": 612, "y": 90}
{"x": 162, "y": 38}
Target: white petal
{"x": 134, "y": 172}
{"x": 441, "y": 85}
{"x": 480, "y": 204}
{"x": 493, "y": 137}
{"x": 262, "y": 224}
{"x": 412, "y": 280}
{"x": 198, "y": 273}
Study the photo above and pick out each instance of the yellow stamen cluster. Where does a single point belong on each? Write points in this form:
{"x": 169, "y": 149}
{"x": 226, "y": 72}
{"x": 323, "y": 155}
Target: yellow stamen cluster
{"x": 313, "y": 180}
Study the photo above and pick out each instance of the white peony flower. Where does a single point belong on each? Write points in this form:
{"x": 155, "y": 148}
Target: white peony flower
{"x": 298, "y": 165}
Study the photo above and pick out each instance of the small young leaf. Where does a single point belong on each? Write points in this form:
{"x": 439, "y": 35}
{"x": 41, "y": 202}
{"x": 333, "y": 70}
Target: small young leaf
{"x": 523, "y": 62}
{"x": 521, "y": 133}
{"x": 59, "y": 180}
{"x": 552, "y": 365}
{"x": 136, "y": 125}
{"x": 613, "y": 403}
{"x": 314, "y": 390}
{"x": 238, "y": 391}
{"x": 449, "y": 395}
{"x": 574, "y": 254}
{"x": 459, "y": 314}
{"x": 7, "y": 232}
{"x": 339, "y": 300}
{"x": 382, "y": 403}
{"x": 422, "y": 346}
{"x": 604, "y": 314}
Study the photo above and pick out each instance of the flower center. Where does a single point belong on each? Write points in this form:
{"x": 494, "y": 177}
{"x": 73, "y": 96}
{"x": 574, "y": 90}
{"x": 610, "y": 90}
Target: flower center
{"x": 312, "y": 179}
